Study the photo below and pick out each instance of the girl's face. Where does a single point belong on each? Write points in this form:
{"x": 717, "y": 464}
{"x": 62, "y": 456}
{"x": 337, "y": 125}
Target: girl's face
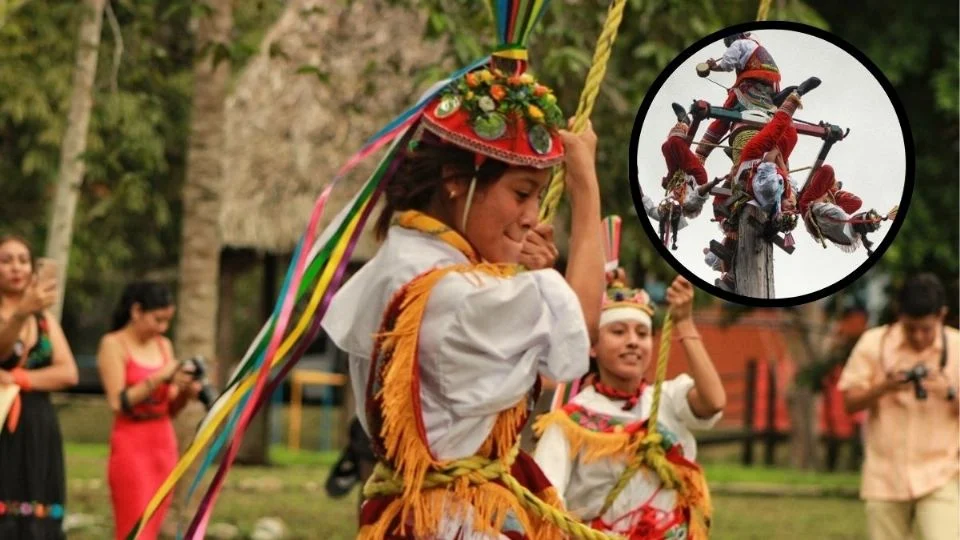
{"x": 151, "y": 323}
{"x": 501, "y": 215}
{"x": 623, "y": 349}
{"x": 16, "y": 268}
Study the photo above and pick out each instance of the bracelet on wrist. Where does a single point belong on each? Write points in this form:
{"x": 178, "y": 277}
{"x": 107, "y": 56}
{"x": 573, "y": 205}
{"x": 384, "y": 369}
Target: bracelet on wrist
{"x": 681, "y": 335}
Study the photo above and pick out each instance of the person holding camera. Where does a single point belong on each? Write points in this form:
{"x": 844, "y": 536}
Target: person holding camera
{"x": 35, "y": 359}
{"x": 905, "y": 375}
{"x": 145, "y": 386}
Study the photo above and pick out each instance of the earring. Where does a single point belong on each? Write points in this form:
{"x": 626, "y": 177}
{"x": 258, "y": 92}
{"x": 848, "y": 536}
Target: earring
{"x": 453, "y": 194}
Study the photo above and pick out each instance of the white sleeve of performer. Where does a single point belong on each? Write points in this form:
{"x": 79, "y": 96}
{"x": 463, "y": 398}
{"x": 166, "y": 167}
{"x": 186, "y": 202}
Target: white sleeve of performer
{"x": 483, "y": 343}
{"x": 835, "y": 226}
{"x": 737, "y": 55}
{"x": 677, "y": 391}
{"x": 553, "y": 457}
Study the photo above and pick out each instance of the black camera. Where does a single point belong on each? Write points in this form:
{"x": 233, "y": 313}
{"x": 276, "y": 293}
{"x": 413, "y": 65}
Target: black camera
{"x": 915, "y": 375}
{"x": 207, "y": 393}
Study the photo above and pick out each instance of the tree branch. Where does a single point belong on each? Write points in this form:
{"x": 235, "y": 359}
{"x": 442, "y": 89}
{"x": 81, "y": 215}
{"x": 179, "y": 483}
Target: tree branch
{"x": 117, "y": 47}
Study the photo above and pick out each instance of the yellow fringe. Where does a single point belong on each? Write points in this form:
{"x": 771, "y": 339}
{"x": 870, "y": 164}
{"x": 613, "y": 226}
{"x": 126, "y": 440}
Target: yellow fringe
{"x": 409, "y": 453}
{"x": 690, "y": 484}
{"x": 695, "y": 495}
{"x": 588, "y": 444}
{"x": 489, "y": 502}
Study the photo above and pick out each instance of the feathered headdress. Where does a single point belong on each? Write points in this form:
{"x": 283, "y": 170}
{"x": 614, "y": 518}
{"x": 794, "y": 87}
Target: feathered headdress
{"x": 621, "y": 302}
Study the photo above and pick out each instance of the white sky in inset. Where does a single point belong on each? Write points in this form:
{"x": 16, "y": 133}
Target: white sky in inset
{"x": 870, "y": 162}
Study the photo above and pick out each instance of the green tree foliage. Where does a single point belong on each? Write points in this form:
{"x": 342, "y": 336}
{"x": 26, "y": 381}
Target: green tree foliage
{"x": 128, "y": 217}
{"x": 919, "y": 54}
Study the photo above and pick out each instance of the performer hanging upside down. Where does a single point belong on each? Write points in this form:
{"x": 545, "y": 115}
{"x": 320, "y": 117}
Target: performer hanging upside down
{"x": 827, "y": 212}
{"x": 762, "y": 172}
{"x": 762, "y": 168}
{"x": 758, "y": 78}
{"x": 685, "y": 182}
{"x": 447, "y": 338}
{"x": 685, "y": 173}
{"x": 586, "y": 445}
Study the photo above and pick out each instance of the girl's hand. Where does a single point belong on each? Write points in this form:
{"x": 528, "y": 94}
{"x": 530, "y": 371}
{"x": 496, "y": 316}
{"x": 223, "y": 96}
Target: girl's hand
{"x": 580, "y": 153}
{"x": 539, "y": 251}
{"x": 38, "y": 296}
{"x": 680, "y": 298}
{"x": 169, "y": 371}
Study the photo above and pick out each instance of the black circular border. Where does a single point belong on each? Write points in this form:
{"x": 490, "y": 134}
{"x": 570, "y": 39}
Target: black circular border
{"x": 909, "y": 157}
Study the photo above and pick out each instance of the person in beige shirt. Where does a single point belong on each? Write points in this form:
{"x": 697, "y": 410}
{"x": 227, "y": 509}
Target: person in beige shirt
{"x": 906, "y": 376}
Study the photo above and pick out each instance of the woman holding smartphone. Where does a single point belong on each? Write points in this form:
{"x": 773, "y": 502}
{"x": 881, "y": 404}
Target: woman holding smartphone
{"x": 35, "y": 360}
{"x": 146, "y": 387}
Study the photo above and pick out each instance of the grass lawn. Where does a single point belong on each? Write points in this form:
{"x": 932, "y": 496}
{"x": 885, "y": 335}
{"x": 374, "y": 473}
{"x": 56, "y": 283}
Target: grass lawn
{"x": 293, "y": 491}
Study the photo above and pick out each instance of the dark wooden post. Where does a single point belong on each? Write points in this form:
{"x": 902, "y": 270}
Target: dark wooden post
{"x": 255, "y": 447}
{"x": 768, "y": 456}
{"x": 749, "y": 410}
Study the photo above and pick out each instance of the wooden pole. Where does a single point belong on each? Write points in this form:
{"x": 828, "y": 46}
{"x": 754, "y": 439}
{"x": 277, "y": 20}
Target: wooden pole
{"x": 753, "y": 265}
{"x": 296, "y": 401}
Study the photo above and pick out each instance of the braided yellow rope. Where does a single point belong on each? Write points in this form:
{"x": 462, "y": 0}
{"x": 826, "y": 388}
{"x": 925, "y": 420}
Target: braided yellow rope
{"x": 764, "y": 9}
{"x": 740, "y": 142}
{"x": 651, "y": 453}
{"x": 588, "y": 97}
{"x": 480, "y": 470}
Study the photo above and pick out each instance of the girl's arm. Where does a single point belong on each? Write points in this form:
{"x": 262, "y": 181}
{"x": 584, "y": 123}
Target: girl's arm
{"x": 110, "y": 363}
{"x": 62, "y": 371}
{"x": 707, "y": 397}
{"x": 586, "y": 259}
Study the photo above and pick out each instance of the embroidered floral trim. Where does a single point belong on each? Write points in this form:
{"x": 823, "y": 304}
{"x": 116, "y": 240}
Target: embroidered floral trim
{"x": 27, "y": 509}
{"x": 594, "y": 421}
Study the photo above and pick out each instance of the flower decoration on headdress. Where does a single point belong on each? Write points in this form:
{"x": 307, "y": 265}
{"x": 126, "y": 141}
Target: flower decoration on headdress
{"x": 621, "y": 295}
{"x": 500, "y": 110}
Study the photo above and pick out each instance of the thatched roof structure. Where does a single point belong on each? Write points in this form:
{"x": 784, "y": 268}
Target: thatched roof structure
{"x": 287, "y": 133}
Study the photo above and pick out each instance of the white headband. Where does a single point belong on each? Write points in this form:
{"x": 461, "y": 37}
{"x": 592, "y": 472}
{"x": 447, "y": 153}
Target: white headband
{"x": 625, "y": 313}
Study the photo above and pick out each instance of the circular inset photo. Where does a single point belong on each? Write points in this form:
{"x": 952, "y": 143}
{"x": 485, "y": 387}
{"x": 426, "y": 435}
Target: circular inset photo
{"x": 771, "y": 164}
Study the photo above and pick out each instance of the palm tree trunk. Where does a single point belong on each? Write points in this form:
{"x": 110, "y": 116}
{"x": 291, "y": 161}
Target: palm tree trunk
{"x": 200, "y": 256}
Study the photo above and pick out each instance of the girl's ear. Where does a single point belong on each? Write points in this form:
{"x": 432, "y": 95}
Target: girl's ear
{"x": 453, "y": 186}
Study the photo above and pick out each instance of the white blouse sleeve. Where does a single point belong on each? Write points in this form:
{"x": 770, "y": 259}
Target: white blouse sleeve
{"x": 737, "y": 55}
{"x": 484, "y": 340}
{"x": 553, "y": 457}
{"x": 677, "y": 391}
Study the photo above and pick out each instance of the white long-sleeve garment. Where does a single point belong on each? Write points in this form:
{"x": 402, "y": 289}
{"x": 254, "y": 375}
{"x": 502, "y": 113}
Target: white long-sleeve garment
{"x": 833, "y": 224}
{"x": 584, "y": 486}
{"x": 483, "y": 340}
{"x": 737, "y": 55}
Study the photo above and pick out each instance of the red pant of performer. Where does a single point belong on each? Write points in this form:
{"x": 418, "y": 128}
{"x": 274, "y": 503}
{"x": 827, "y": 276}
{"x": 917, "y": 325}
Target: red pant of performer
{"x": 822, "y": 183}
{"x": 677, "y": 153}
{"x": 778, "y": 133}
{"x": 719, "y": 127}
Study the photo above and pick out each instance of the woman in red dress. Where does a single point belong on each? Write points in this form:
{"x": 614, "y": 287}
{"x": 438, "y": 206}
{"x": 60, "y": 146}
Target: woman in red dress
{"x": 145, "y": 387}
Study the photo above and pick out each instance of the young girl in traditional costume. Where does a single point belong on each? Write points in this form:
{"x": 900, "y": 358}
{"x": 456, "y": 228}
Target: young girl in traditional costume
{"x": 447, "y": 336}
{"x": 591, "y": 448}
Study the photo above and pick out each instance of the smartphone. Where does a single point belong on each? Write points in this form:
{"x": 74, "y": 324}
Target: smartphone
{"x": 46, "y": 269}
